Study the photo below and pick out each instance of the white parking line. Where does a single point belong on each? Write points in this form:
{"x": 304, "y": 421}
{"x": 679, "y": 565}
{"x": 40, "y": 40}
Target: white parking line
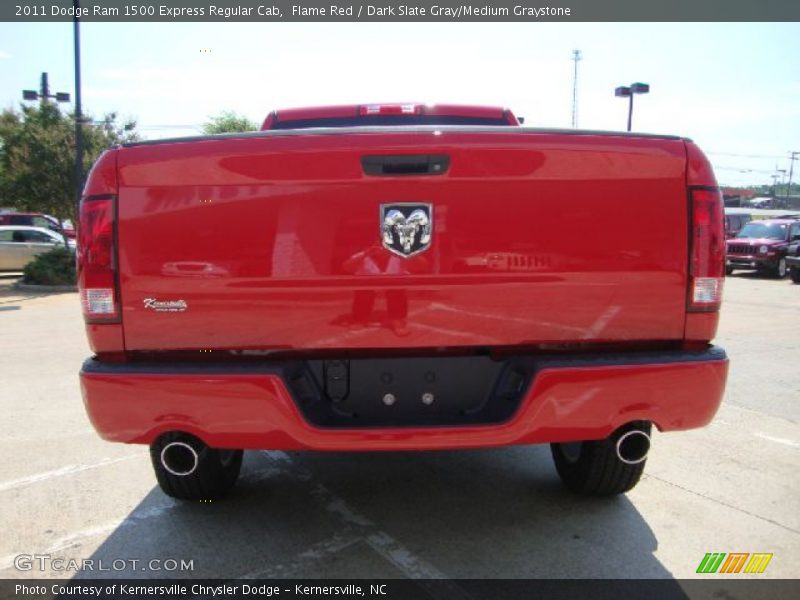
{"x": 279, "y": 456}
{"x": 37, "y": 436}
{"x": 777, "y": 440}
{"x": 68, "y": 470}
{"x": 364, "y": 529}
{"x": 133, "y": 518}
{"x": 401, "y": 557}
{"x": 72, "y": 539}
{"x": 301, "y": 561}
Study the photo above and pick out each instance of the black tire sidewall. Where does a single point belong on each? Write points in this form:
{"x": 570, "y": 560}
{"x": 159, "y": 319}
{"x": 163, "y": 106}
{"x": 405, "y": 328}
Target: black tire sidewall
{"x": 212, "y": 478}
{"x": 598, "y": 471}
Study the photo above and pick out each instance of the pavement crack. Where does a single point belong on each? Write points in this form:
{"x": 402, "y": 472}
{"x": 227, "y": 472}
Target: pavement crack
{"x": 723, "y": 503}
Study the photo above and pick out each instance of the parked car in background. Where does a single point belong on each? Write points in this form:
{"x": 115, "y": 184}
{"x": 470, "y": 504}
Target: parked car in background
{"x": 793, "y": 261}
{"x": 762, "y": 246}
{"x": 20, "y": 244}
{"x": 38, "y": 220}
{"x": 734, "y": 223}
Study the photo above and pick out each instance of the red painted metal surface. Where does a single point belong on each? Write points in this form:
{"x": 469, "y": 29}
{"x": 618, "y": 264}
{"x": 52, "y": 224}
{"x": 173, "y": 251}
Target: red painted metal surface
{"x": 106, "y": 338}
{"x": 273, "y": 242}
{"x": 698, "y": 168}
{"x": 256, "y": 412}
{"x": 102, "y": 178}
{"x": 701, "y": 327}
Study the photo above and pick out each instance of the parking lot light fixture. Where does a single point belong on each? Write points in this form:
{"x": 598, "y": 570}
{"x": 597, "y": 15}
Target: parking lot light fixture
{"x": 629, "y": 91}
{"x": 44, "y": 93}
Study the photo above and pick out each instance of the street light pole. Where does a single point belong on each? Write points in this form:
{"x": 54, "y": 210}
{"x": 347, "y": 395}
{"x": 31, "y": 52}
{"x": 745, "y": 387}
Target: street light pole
{"x": 576, "y": 56}
{"x": 628, "y": 92}
{"x": 44, "y": 96}
{"x": 78, "y": 113}
{"x": 630, "y": 111}
{"x": 44, "y": 87}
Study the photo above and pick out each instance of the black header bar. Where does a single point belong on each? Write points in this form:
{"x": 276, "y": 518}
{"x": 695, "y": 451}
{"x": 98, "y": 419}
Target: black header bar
{"x": 273, "y": 11}
{"x": 398, "y": 589}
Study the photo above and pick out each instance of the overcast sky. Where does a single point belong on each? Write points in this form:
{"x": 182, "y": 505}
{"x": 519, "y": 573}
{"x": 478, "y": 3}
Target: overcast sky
{"x": 733, "y": 87}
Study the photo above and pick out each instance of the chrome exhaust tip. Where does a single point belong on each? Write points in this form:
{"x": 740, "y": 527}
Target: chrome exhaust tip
{"x": 632, "y": 447}
{"x": 179, "y": 458}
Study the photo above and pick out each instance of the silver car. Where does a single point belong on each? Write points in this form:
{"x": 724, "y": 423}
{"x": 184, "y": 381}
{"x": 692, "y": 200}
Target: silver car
{"x": 19, "y": 244}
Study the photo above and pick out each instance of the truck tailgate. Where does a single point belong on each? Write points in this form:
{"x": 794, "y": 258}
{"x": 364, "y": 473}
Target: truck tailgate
{"x": 275, "y": 242}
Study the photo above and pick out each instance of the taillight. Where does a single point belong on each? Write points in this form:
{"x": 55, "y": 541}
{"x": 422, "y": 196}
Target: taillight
{"x": 97, "y": 261}
{"x": 707, "y": 250}
{"x": 391, "y": 109}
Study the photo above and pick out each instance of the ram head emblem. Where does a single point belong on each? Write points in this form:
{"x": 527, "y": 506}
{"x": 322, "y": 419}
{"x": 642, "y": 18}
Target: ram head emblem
{"x": 406, "y": 228}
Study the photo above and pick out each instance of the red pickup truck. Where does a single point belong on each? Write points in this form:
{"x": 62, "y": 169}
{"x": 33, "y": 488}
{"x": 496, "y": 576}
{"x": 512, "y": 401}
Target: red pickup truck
{"x": 401, "y": 277}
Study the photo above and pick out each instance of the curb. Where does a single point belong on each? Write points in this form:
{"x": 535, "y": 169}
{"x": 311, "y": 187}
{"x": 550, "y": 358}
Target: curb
{"x": 50, "y": 289}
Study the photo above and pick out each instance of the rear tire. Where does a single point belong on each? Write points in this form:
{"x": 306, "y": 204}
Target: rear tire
{"x": 215, "y": 475}
{"x": 794, "y": 273}
{"x": 728, "y": 270}
{"x": 592, "y": 468}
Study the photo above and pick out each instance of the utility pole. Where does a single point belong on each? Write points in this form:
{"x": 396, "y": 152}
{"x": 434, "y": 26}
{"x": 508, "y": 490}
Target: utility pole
{"x": 779, "y": 174}
{"x": 576, "y": 56}
{"x": 792, "y": 157}
{"x": 78, "y": 113}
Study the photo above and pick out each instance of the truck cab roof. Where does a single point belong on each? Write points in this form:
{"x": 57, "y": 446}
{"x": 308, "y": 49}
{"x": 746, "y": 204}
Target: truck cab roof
{"x": 403, "y": 113}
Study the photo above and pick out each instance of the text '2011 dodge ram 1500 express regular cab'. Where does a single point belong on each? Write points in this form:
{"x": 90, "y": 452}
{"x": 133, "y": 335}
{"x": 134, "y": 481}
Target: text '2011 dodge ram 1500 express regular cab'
{"x": 401, "y": 277}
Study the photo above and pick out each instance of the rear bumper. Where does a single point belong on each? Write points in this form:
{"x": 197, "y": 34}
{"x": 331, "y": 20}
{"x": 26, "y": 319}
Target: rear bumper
{"x": 250, "y": 406}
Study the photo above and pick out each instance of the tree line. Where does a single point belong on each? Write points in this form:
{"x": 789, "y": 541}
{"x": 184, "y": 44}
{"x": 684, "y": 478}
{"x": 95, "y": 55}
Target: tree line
{"x": 37, "y": 153}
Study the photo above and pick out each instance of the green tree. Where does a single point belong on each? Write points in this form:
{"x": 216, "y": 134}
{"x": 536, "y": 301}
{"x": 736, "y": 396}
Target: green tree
{"x": 37, "y": 156}
{"x": 228, "y": 122}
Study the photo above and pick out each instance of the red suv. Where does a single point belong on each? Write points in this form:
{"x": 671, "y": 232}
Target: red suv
{"x": 762, "y": 245}
{"x": 30, "y": 219}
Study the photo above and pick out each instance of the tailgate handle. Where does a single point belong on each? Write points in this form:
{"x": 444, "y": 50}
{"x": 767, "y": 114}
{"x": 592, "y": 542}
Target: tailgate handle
{"x": 405, "y": 164}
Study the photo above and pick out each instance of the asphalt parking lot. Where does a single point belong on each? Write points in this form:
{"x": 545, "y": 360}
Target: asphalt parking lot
{"x": 732, "y": 487}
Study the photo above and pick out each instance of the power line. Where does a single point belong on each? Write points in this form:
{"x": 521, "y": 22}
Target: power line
{"x": 192, "y": 126}
{"x": 742, "y": 169}
{"x": 744, "y": 155}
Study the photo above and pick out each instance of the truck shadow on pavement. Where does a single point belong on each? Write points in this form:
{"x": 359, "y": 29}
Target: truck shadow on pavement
{"x": 498, "y": 513}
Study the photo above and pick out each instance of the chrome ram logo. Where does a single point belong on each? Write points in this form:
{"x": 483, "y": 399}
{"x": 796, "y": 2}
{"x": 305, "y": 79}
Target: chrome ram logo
{"x": 406, "y": 227}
